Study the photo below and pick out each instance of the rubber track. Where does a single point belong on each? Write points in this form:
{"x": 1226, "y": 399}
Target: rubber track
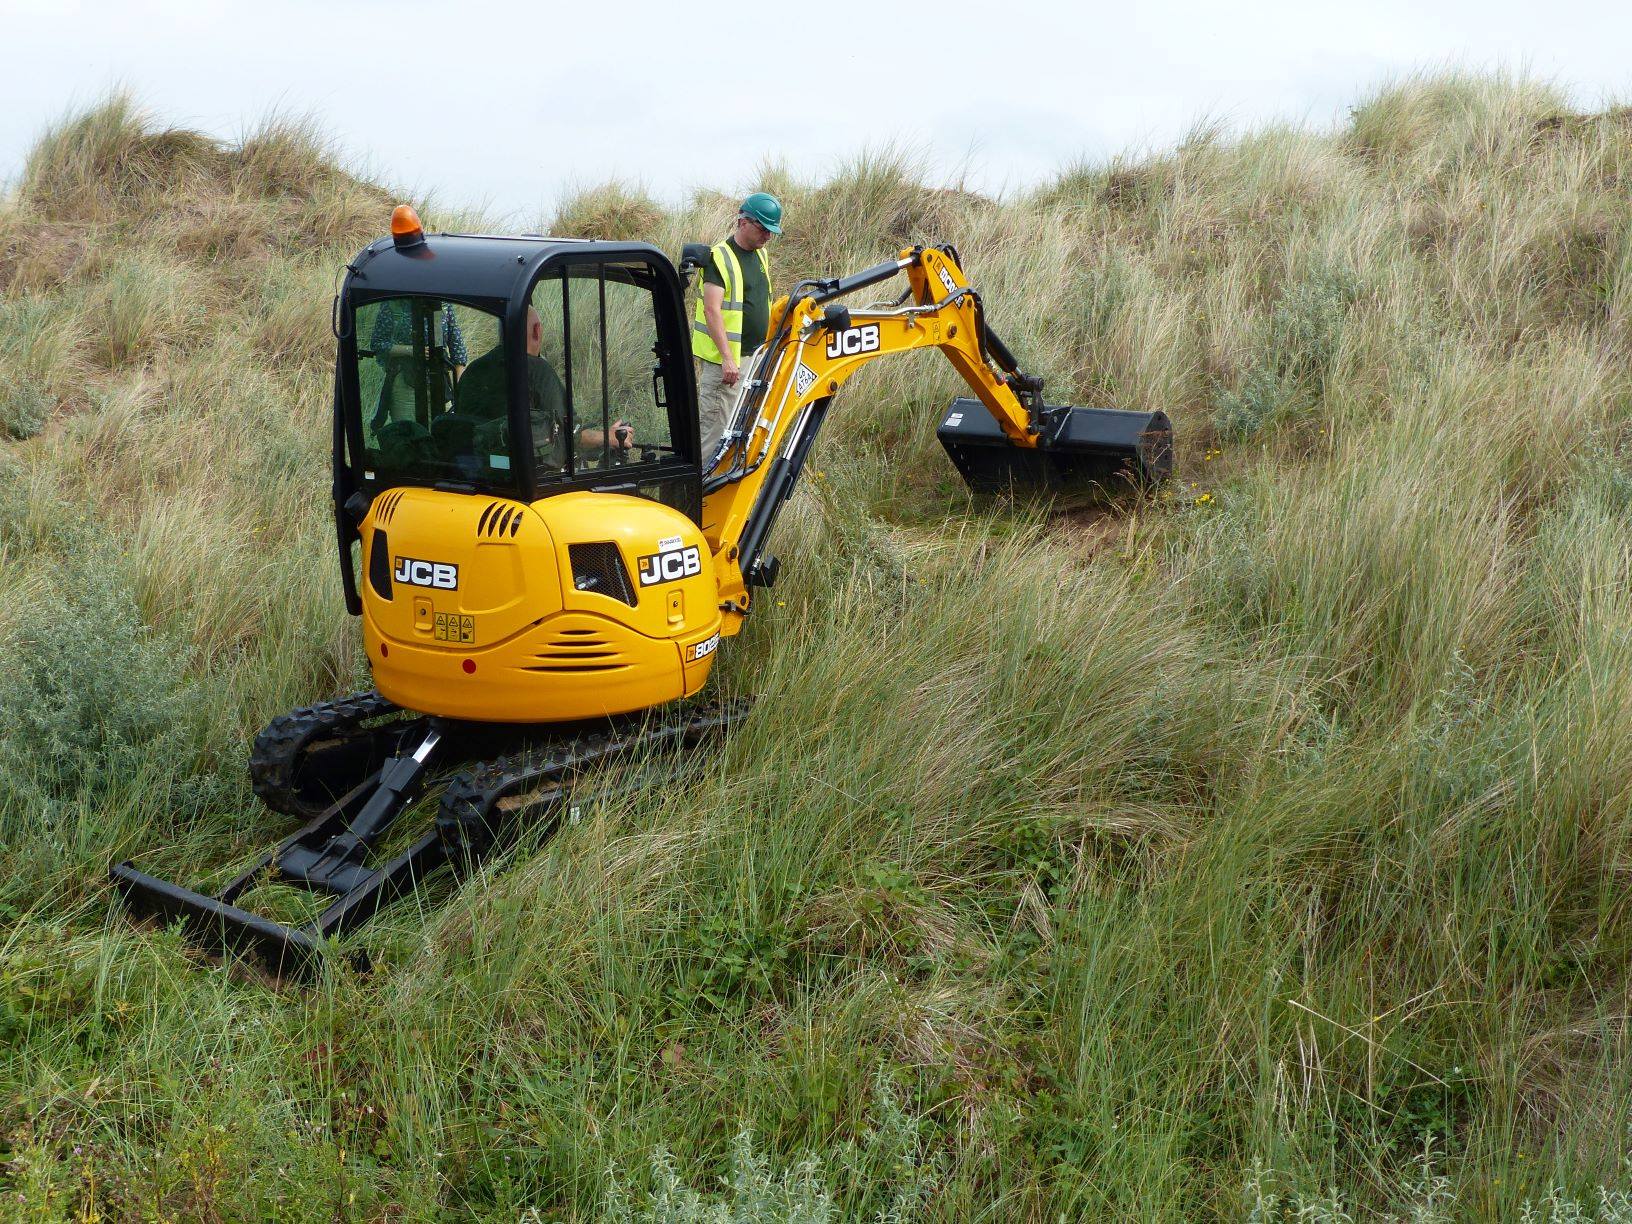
{"x": 279, "y": 747}
{"x": 470, "y": 821}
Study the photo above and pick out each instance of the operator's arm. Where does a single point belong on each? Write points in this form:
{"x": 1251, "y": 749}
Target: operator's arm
{"x": 548, "y": 399}
{"x": 713, "y": 296}
{"x": 623, "y": 435}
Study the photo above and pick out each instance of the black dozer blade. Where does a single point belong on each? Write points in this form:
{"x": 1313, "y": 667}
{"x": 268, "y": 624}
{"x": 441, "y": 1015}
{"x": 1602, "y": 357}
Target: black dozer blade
{"x": 332, "y": 852}
{"x": 326, "y": 855}
{"x": 1080, "y": 447}
{"x": 217, "y": 925}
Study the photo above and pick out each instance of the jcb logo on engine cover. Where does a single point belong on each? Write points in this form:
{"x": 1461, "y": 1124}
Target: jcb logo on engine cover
{"x": 670, "y": 565}
{"x": 853, "y": 341}
{"x": 437, "y": 574}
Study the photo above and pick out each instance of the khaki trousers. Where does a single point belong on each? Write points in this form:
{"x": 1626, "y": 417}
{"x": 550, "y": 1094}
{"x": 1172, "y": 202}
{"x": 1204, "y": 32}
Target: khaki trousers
{"x": 714, "y": 400}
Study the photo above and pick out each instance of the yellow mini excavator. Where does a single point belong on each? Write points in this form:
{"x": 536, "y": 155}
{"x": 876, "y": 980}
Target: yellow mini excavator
{"x": 548, "y": 561}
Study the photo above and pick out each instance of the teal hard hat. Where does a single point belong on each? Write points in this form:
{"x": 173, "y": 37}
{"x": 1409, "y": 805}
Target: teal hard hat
{"x": 765, "y": 208}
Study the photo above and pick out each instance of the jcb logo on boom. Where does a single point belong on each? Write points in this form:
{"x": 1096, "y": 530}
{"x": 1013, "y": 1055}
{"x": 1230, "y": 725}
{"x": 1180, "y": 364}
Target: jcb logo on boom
{"x": 853, "y": 341}
{"x": 669, "y": 566}
{"x": 437, "y": 574}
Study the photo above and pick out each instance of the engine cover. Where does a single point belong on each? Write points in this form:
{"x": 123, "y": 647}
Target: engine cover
{"x": 576, "y": 606}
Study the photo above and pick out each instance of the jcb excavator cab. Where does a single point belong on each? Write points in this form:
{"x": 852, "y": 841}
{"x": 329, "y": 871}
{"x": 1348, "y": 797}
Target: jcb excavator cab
{"x": 500, "y": 366}
{"x": 546, "y": 385}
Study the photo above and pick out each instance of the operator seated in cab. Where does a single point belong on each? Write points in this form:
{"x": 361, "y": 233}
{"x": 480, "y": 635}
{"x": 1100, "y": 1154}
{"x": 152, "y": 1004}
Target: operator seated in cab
{"x": 481, "y": 395}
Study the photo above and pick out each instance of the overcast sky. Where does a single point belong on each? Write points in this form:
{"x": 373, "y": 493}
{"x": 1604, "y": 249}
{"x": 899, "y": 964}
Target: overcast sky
{"x": 504, "y": 106}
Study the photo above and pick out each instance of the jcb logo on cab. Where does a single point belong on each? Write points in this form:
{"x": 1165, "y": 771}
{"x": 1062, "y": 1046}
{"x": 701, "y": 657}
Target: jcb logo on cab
{"x": 669, "y": 566}
{"x": 853, "y": 341}
{"x": 437, "y": 574}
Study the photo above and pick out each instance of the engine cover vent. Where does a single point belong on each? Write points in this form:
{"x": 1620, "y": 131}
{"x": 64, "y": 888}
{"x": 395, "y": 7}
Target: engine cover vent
{"x": 500, "y": 521}
{"x": 379, "y": 564}
{"x": 388, "y": 506}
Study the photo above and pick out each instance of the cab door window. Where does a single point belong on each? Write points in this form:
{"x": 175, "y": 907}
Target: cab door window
{"x": 599, "y": 339}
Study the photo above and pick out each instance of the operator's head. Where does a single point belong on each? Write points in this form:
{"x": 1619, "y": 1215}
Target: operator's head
{"x": 535, "y": 333}
{"x": 759, "y": 217}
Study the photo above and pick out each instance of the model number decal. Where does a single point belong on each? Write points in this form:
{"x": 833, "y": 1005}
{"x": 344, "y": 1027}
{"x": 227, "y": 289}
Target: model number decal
{"x": 670, "y": 565}
{"x": 702, "y": 649}
{"x": 438, "y": 574}
{"x": 853, "y": 340}
{"x": 946, "y": 279}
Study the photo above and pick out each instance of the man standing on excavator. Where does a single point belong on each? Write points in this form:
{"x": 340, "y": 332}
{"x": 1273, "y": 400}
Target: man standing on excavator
{"x": 733, "y": 312}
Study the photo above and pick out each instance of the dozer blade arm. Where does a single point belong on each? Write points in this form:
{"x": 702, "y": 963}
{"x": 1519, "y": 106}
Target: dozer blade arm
{"x": 334, "y": 853}
{"x": 326, "y": 855}
{"x": 817, "y": 343}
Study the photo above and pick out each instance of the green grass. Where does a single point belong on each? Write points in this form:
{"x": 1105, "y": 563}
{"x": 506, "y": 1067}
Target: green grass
{"x": 1259, "y": 851}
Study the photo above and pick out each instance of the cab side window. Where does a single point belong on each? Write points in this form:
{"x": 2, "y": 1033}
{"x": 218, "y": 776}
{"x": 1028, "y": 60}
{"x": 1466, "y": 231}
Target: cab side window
{"x": 631, "y": 347}
{"x": 600, "y": 339}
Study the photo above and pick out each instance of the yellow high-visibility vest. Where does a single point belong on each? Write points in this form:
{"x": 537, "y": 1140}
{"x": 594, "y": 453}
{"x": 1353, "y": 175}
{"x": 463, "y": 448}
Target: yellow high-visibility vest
{"x": 702, "y": 344}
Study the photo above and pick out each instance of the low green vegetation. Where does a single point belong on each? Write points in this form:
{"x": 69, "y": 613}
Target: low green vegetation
{"x": 1257, "y": 851}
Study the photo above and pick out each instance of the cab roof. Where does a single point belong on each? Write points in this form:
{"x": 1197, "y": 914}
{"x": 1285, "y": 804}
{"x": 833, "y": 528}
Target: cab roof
{"x": 480, "y": 265}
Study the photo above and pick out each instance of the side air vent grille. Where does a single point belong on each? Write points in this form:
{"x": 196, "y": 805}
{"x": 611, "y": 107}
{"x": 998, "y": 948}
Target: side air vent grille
{"x": 599, "y": 568}
{"x": 500, "y": 521}
{"x": 579, "y": 650}
{"x": 379, "y": 564}
{"x": 388, "y": 506}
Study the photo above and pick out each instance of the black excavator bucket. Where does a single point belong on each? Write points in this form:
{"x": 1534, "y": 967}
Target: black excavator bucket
{"x": 1079, "y": 447}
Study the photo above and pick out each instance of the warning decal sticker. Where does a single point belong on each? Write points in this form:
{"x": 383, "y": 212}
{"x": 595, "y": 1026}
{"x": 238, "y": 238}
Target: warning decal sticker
{"x": 452, "y": 627}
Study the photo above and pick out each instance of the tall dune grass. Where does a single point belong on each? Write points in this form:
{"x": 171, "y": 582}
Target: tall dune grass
{"x": 1255, "y": 850}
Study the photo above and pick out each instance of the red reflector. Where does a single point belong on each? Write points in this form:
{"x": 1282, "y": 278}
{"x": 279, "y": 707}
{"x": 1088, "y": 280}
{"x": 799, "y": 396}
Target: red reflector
{"x": 470, "y": 666}
{"x": 384, "y": 650}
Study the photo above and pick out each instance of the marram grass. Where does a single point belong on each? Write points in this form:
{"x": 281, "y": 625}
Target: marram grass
{"x": 1258, "y": 850}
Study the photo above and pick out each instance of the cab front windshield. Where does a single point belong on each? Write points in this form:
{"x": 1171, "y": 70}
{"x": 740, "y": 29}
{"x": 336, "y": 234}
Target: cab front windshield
{"x": 433, "y": 378}
{"x": 431, "y": 386}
